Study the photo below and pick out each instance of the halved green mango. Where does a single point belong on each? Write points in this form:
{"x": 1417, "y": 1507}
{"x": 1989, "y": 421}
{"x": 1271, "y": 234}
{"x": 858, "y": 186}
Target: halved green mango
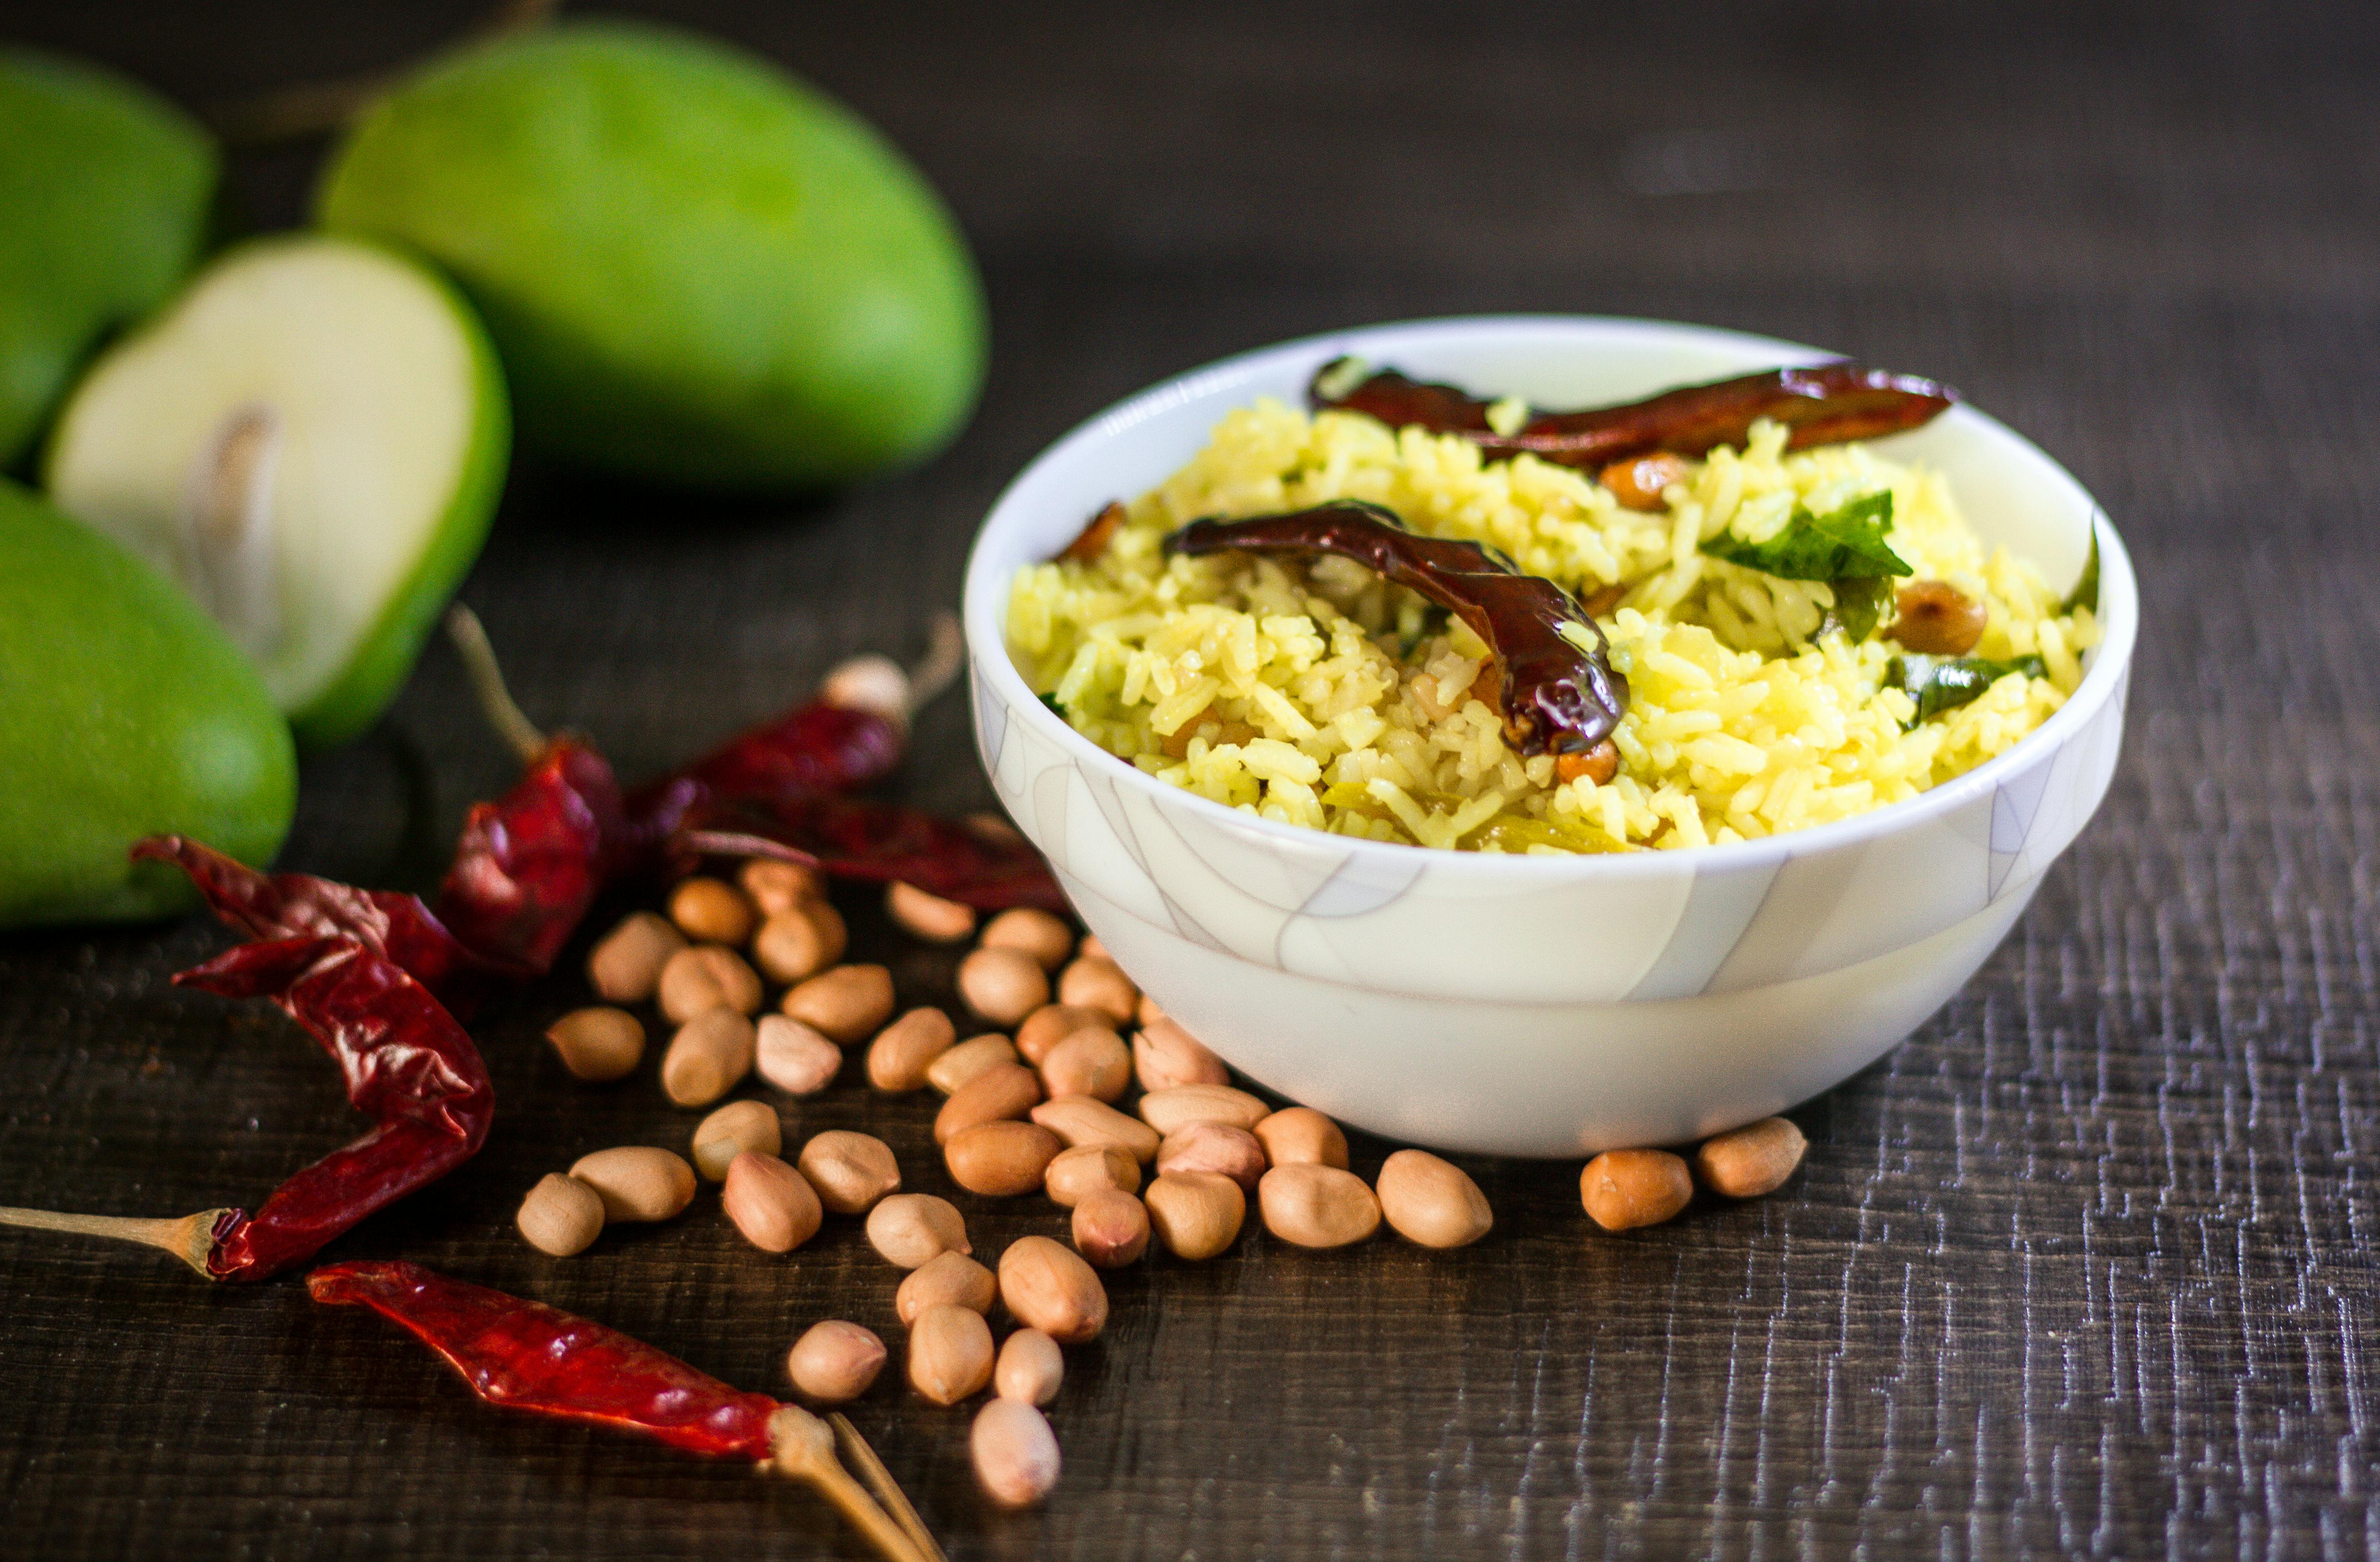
{"x": 312, "y": 441}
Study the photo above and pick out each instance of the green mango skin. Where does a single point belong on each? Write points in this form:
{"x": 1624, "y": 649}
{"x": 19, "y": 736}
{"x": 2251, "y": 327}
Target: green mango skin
{"x": 696, "y": 270}
{"x": 124, "y": 711}
{"x": 105, "y": 194}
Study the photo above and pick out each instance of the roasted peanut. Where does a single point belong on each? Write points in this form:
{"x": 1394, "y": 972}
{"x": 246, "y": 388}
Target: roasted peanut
{"x": 636, "y": 1181}
{"x": 1752, "y": 1160}
{"x": 777, "y": 887}
{"x": 871, "y": 683}
{"x": 1016, "y": 1453}
{"x": 1196, "y": 1214}
{"x": 1052, "y": 1023}
{"x": 898, "y": 1057}
{"x": 1598, "y": 764}
{"x": 1094, "y": 1063}
{"x": 908, "y": 1230}
{"x": 1004, "y": 1090}
{"x": 835, "y": 1360}
{"x": 597, "y": 1044}
{"x": 929, "y": 916}
{"x": 704, "y": 977}
{"x": 1029, "y": 932}
{"x": 627, "y": 965}
{"x": 1045, "y": 1286}
{"x": 707, "y": 1057}
{"x": 851, "y": 1171}
{"x": 1935, "y": 618}
{"x": 1002, "y": 986}
{"x": 1432, "y": 1202}
{"x": 1317, "y": 1206}
{"x": 1300, "y": 1135}
{"x": 1090, "y": 948}
{"x": 1213, "y": 1147}
{"x": 1622, "y": 1188}
{"x": 1111, "y": 1229}
{"x": 561, "y": 1215}
{"x": 1030, "y": 1368}
{"x": 1148, "y": 1012}
{"x": 1638, "y": 482}
{"x": 1164, "y": 1056}
{"x": 711, "y": 911}
{"x": 945, "y": 1280}
{"x": 1096, "y": 982}
{"x": 951, "y": 1072}
{"x": 1083, "y": 1119}
{"x": 797, "y": 944}
{"x": 950, "y": 1354}
{"x": 1075, "y": 1173}
{"x": 1168, "y": 1111}
{"x": 1001, "y": 1159}
{"x": 795, "y": 1057}
{"x": 771, "y": 1204}
{"x": 993, "y": 827}
{"x": 845, "y": 1003}
{"x": 733, "y": 1129}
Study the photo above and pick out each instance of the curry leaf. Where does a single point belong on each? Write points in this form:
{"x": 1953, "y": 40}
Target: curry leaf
{"x": 2086, "y": 590}
{"x": 1944, "y": 683}
{"x": 1860, "y": 602}
{"x": 1846, "y": 542}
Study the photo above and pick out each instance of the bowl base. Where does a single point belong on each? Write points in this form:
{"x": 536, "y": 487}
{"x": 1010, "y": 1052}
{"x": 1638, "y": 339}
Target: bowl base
{"x": 1548, "y": 1079}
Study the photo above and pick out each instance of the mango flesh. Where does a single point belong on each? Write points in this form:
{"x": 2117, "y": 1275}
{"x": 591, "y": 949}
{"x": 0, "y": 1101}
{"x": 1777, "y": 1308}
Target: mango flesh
{"x": 105, "y": 195}
{"x": 695, "y": 269}
{"x": 311, "y": 441}
{"x": 124, "y": 711}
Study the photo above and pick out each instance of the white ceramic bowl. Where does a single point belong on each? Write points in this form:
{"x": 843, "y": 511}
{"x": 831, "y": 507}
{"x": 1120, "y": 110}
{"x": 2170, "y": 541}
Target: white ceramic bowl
{"x": 1536, "y": 1005}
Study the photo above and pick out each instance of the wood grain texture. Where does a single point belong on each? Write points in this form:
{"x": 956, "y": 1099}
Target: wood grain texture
{"x": 2085, "y": 1267}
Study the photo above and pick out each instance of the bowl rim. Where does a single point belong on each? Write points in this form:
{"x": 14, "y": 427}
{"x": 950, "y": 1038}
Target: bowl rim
{"x": 988, "y": 648}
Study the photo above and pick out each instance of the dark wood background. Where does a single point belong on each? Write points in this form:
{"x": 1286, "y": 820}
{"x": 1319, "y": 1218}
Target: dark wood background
{"x": 2086, "y": 1266}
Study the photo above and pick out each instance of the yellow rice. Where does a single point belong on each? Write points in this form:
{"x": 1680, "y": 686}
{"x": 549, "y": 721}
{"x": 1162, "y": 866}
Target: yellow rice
{"x": 1318, "y": 695}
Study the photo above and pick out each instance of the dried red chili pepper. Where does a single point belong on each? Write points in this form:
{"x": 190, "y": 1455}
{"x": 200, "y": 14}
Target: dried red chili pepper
{"x": 1096, "y": 533}
{"x": 531, "y": 863}
{"x": 1558, "y": 697}
{"x": 809, "y": 750}
{"x": 300, "y": 905}
{"x": 1826, "y": 405}
{"x": 852, "y": 734}
{"x": 406, "y": 1063}
{"x": 881, "y": 843}
{"x": 523, "y": 1355}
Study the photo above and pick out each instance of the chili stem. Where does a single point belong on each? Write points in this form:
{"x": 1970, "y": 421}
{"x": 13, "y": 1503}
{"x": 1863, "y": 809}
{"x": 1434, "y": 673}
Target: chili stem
{"x": 314, "y": 108}
{"x": 856, "y": 1453}
{"x": 189, "y": 1239}
{"x": 944, "y": 659}
{"x": 470, "y": 638}
{"x": 805, "y": 1450}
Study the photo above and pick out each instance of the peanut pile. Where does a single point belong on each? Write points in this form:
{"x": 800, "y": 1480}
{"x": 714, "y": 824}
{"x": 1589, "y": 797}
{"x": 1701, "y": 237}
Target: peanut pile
{"x": 1035, "y": 1103}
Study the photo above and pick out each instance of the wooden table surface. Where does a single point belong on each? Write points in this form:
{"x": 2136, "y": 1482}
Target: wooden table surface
{"x": 2084, "y": 1267}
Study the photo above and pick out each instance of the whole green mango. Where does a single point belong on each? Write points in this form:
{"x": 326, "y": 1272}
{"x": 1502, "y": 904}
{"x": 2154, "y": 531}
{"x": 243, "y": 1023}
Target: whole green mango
{"x": 695, "y": 269}
{"x": 124, "y": 711}
{"x": 104, "y": 194}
